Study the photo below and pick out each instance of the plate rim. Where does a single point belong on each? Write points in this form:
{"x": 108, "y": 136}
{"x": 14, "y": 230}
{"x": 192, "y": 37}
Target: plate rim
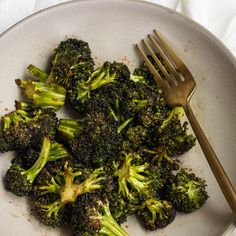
{"x": 145, "y": 2}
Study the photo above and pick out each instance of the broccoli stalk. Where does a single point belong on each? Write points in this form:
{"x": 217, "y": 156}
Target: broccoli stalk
{"x": 19, "y": 181}
{"x": 42, "y": 94}
{"x": 38, "y": 73}
{"x": 156, "y": 213}
{"x": 70, "y": 128}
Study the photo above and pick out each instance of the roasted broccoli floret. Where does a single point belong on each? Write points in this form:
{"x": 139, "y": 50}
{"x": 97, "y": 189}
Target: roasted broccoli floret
{"x": 187, "y": 192}
{"x": 71, "y": 60}
{"x": 19, "y": 180}
{"x": 173, "y": 134}
{"x": 80, "y": 92}
{"x": 155, "y": 213}
{"x": 136, "y": 179}
{"x": 137, "y": 135}
{"x": 93, "y": 217}
{"x": 26, "y": 127}
{"x": 98, "y": 140}
{"x": 43, "y": 94}
{"x": 64, "y": 188}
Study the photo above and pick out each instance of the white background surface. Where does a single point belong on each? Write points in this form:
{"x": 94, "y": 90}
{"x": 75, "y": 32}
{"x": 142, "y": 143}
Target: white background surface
{"x": 218, "y": 16}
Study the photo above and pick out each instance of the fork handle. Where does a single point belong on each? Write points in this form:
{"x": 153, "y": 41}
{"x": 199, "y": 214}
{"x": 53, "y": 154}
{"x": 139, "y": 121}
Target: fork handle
{"x": 216, "y": 167}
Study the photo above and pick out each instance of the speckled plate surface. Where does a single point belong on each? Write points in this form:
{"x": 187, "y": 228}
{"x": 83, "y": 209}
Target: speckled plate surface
{"x": 111, "y": 28}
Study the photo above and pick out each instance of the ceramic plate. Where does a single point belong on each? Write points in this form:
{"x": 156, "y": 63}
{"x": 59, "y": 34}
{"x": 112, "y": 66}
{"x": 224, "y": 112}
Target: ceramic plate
{"x": 111, "y": 28}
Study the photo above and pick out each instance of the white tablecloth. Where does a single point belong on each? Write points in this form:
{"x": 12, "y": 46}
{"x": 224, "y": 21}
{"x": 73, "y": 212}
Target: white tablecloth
{"x": 218, "y": 16}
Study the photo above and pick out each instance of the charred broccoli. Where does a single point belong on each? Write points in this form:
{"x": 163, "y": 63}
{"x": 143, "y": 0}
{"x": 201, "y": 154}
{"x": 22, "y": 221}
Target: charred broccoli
{"x": 187, "y": 192}
{"x": 93, "y": 217}
{"x": 19, "y": 181}
{"x": 155, "y": 213}
{"x": 71, "y": 61}
{"x": 26, "y": 127}
{"x": 68, "y": 184}
{"x": 173, "y": 134}
{"x": 137, "y": 180}
{"x": 81, "y": 91}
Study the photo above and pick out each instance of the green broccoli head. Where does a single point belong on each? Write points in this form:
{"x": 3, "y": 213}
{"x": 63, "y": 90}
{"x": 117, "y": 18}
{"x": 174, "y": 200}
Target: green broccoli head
{"x": 173, "y": 134}
{"x": 20, "y": 181}
{"x": 137, "y": 180}
{"x": 23, "y": 129}
{"x": 155, "y": 213}
{"x": 137, "y": 135}
{"x": 99, "y": 140}
{"x": 59, "y": 188}
{"x": 71, "y": 60}
{"x": 80, "y": 92}
{"x": 92, "y": 216}
{"x": 187, "y": 192}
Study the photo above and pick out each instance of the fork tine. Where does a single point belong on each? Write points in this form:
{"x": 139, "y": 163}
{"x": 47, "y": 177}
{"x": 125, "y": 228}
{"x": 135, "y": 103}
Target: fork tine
{"x": 157, "y": 76}
{"x": 180, "y": 65}
{"x": 167, "y": 76}
{"x": 165, "y": 58}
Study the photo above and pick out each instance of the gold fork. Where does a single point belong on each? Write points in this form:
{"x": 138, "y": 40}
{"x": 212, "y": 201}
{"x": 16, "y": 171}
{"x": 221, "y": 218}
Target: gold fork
{"x": 178, "y": 87}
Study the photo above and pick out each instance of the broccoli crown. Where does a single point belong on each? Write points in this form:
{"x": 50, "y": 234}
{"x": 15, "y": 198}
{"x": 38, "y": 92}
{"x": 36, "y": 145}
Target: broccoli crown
{"x": 187, "y": 192}
{"x": 20, "y": 181}
{"x": 23, "y": 129}
{"x": 71, "y": 60}
{"x": 155, "y": 213}
{"x": 43, "y": 94}
{"x": 99, "y": 140}
{"x": 173, "y": 134}
{"x": 64, "y": 187}
{"x": 137, "y": 180}
{"x": 79, "y": 92}
{"x": 137, "y": 135}
{"x": 93, "y": 217}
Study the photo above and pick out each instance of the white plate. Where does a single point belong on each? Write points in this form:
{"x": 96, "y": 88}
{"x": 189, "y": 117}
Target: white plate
{"x": 111, "y": 27}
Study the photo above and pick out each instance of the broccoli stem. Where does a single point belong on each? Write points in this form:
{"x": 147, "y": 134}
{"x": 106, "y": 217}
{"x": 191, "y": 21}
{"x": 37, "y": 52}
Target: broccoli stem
{"x": 70, "y": 128}
{"x": 52, "y": 187}
{"x": 109, "y": 226}
{"x": 53, "y": 208}
{"x": 19, "y": 105}
{"x": 123, "y": 125}
{"x": 40, "y": 163}
{"x": 102, "y": 80}
{"x": 38, "y": 73}
{"x": 57, "y": 152}
{"x": 43, "y": 94}
{"x": 71, "y": 191}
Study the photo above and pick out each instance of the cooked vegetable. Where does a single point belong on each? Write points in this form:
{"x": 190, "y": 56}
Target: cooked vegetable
{"x": 114, "y": 154}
